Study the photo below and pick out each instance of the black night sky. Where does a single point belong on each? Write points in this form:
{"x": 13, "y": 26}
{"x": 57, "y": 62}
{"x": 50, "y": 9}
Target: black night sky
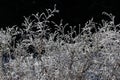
{"x": 72, "y": 11}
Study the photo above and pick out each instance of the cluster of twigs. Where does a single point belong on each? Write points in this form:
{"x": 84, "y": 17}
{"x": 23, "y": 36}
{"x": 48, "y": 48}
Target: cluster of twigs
{"x": 32, "y": 53}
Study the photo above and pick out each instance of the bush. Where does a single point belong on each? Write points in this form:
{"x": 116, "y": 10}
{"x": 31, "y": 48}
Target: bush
{"x": 32, "y": 53}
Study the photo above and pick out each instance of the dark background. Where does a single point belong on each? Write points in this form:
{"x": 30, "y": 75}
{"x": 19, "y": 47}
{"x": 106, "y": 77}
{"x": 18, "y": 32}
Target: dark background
{"x": 72, "y": 11}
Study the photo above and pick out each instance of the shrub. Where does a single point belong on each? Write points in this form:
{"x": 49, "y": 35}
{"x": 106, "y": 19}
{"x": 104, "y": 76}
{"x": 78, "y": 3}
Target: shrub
{"x": 87, "y": 56}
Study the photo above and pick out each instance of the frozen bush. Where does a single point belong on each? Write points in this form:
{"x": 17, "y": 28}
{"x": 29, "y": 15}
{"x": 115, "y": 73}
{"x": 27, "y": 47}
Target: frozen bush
{"x": 87, "y": 56}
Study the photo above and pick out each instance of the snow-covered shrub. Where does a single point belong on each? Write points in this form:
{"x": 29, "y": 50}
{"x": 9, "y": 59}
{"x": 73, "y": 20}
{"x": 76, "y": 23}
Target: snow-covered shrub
{"x": 32, "y": 53}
